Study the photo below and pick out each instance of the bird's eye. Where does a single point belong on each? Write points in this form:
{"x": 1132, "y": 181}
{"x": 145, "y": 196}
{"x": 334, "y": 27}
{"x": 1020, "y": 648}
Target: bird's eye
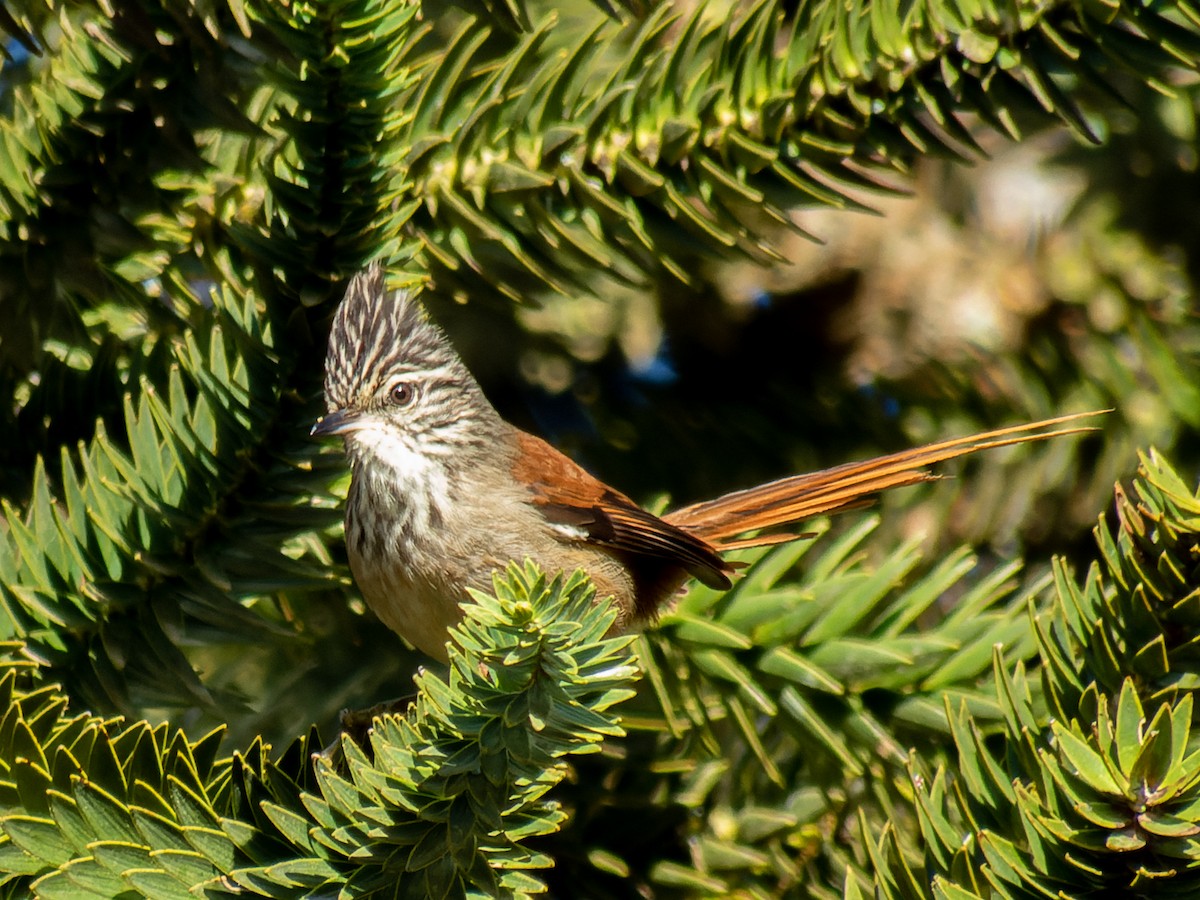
{"x": 402, "y": 393}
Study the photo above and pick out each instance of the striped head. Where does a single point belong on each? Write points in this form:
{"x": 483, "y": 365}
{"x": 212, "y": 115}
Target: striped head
{"x": 393, "y": 384}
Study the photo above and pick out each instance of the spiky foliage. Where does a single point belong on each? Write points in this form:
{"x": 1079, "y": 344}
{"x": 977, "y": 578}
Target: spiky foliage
{"x": 708, "y": 127}
{"x": 198, "y": 410}
{"x": 183, "y": 189}
{"x": 1090, "y": 786}
{"x": 440, "y": 802}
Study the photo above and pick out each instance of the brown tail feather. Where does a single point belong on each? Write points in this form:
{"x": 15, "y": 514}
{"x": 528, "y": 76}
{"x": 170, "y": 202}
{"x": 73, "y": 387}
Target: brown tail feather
{"x": 791, "y": 500}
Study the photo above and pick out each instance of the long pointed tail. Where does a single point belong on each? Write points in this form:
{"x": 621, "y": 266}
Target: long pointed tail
{"x": 789, "y": 501}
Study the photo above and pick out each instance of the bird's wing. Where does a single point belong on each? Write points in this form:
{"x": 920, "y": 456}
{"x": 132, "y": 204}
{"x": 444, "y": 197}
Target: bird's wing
{"x": 583, "y": 506}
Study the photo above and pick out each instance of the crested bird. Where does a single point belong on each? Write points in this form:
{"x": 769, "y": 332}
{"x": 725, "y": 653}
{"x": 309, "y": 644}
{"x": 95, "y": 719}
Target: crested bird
{"x": 444, "y": 491}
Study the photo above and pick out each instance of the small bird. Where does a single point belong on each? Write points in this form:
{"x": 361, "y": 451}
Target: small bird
{"x": 444, "y": 491}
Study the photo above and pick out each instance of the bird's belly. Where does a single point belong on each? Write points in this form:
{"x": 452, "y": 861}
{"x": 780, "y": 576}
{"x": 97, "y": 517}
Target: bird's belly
{"x": 413, "y": 607}
{"x": 419, "y": 597}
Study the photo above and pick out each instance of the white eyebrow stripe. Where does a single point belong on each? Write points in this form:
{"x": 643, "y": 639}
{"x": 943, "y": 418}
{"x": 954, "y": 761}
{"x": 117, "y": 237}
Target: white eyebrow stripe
{"x": 424, "y": 373}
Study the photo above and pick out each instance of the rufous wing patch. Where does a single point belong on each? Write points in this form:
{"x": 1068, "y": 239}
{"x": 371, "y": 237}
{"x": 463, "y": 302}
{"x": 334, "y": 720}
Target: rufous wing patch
{"x": 568, "y": 496}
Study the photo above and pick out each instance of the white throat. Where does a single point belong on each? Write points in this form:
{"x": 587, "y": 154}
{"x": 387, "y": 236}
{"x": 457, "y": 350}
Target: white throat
{"x": 410, "y": 472}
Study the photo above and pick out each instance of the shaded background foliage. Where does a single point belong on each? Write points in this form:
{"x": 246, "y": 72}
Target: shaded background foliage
{"x": 611, "y": 211}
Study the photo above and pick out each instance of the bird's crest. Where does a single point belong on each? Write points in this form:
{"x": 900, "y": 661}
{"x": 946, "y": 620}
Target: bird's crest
{"x": 377, "y": 333}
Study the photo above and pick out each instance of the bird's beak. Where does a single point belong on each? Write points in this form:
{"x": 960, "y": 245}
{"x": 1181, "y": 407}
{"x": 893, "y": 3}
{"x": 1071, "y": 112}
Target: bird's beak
{"x": 337, "y": 422}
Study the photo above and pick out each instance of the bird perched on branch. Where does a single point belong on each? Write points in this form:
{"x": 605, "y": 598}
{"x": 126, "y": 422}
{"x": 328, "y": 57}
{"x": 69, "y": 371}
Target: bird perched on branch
{"x": 444, "y": 491}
